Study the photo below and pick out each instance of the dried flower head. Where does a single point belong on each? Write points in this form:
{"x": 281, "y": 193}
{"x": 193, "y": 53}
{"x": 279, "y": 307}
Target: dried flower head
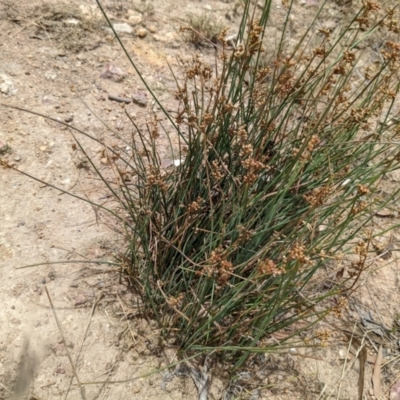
{"x": 341, "y": 304}
{"x": 176, "y": 301}
{"x": 224, "y": 272}
{"x": 313, "y": 142}
{"x": 317, "y": 196}
{"x": 246, "y": 150}
{"x": 195, "y": 206}
{"x": 218, "y": 170}
{"x": 323, "y": 334}
{"x": 362, "y": 190}
{"x": 244, "y": 234}
{"x": 349, "y": 57}
{"x": 268, "y": 267}
{"x": 359, "y": 207}
{"x": 297, "y": 253}
{"x": 361, "y": 249}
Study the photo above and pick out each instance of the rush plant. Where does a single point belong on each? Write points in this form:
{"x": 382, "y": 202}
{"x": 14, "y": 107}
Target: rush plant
{"x": 267, "y": 211}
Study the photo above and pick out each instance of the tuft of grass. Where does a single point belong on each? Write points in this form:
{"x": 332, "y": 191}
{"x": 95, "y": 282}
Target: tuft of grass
{"x": 63, "y": 23}
{"x": 202, "y": 30}
{"x": 265, "y": 223}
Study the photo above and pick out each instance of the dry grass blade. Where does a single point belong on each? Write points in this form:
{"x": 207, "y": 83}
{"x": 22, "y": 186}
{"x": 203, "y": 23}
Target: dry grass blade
{"x": 362, "y": 355}
{"x": 29, "y": 363}
{"x": 81, "y": 388}
{"x": 199, "y": 376}
{"x": 151, "y": 373}
{"x": 85, "y": 335}
{"x": 127, "y": 320}
{"x": 376, "y": 376}
{"x": 5, "y": 388}
{"x": 362, "y": 358}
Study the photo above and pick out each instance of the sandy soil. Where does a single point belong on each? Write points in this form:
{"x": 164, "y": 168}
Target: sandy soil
{"x": 52, "y": 56}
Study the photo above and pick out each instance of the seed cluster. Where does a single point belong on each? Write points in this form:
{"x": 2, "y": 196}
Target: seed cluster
{"x": 218, "y": 267}
{"x": 297, "y": 253}
{"x": 268, "y": 267}
{"x": 341, "y": 304}
{"x": 318, "y": 196}
{"x": 323, "y": 334}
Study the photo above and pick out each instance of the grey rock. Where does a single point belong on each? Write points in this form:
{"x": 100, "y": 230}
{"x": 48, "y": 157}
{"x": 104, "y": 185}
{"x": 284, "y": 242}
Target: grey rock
{"x": 329, "y": 25}
{"x": 112, "y": 72}
{"x": 140, "y": 99}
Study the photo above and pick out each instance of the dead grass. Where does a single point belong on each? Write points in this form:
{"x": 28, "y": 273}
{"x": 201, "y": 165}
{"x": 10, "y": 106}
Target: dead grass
{"x": 202, "y": 30}
{"x": 64, "y": 25}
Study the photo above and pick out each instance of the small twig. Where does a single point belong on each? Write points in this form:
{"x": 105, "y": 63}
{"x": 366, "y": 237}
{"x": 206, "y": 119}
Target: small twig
{"x": 376, "y": 376}
{"x": 127, "y": 321}
{"x": 84, "y": 336}
{"x": 19, "y": 31}
{"x": 71, "y": 262}
{"x": 218, "y": 326}
{"x": 119, "y": 99}
{"x": 5, "y": 388}
{"x": 362, "y": 356}
{"x": 109, "y": 319}
{"x": 169, "y": 303}
{"x": 82, "y": 390}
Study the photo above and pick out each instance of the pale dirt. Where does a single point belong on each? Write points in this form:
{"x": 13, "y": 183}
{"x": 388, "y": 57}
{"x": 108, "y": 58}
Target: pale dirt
{"x": 40, "y": 225}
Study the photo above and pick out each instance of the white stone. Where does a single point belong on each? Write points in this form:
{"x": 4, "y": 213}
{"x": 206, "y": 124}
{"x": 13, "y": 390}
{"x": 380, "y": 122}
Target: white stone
{"x": 122, "y": 27}
{"x": 346, "y": 182}
{"x": 134, "y": 17}
{"x": 72, "y": 21}
{"x": 7, "y": 85}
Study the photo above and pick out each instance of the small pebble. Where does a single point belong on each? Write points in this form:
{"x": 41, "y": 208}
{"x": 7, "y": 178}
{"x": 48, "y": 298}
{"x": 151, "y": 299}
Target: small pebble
{"x": 3, "y": 147}
{"x": 59, "y": 370}
{"x": 135, "y": 19}
{"x": 71, "y": 21}
{"x": 112, "y": 72}
{"x": 80, "y": 299}
{"x": 141, "y": 32}
{"x": 385, "y": 213}
{"x": 329, "y": 25}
